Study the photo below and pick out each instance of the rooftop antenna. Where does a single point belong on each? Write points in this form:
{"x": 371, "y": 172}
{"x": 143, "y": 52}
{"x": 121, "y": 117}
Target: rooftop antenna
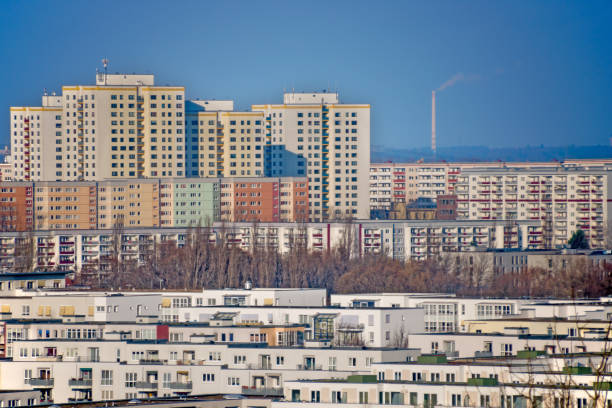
{"x": 105, "y": 65}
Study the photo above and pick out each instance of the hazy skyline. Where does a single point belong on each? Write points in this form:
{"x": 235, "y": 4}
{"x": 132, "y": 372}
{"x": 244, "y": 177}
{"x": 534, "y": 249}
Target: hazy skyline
{"x": 507, "y": 74}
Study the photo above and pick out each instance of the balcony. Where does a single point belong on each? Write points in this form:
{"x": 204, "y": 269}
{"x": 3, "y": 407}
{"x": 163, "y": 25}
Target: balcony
{"x": 262, "y": 392}
{"x": 146, "y": 385}
{"x": 42, "y": 382}
{"x": 181, "y": 386}
{"x": 79, "y": 383}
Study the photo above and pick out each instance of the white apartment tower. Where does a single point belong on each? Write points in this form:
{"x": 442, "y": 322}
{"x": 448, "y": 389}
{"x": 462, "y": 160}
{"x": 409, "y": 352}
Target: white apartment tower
{"x": 35, "y": 134}
{"x": 313, "y": 135}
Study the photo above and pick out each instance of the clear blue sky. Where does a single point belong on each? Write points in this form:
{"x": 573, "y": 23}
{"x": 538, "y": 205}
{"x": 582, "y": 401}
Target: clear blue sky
{"x": 536, "y": 72}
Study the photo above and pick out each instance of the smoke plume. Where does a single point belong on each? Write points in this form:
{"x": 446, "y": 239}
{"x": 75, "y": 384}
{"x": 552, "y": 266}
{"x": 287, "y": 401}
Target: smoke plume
{"x": 458, "y": 77}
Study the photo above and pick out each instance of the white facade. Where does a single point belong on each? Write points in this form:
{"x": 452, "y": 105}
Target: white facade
{"x": 563, "y": 200}
{"x": 265, "y": 297}
{"x": 35, "y": 136}
{"x": 315, "y": 136}
{"x": 103, "y": 370}
{"x": 377, "y": 327}
{"x": 405, "y": 182}
{"x": 402, "y": 240}
{"x": 443, "y": 313}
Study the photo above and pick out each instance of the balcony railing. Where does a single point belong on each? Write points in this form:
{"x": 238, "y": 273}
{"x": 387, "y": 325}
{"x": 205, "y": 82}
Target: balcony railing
{"x": 180, "y": 385}
{"x": 263, "y": 392}
{"x": 146, "y": 385}
{"x": 80, "y": 383}
{"x": 42, "y": 382}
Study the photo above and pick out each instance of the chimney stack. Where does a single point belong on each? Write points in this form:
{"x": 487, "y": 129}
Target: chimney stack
{"x": 433, "y": 122}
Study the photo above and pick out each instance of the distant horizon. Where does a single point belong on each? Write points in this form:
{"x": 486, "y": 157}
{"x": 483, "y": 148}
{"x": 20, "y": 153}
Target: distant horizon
{"x": 482, "y": 153}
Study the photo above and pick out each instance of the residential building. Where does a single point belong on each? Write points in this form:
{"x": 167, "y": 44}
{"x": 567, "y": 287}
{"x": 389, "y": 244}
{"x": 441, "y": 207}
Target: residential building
{"x": 65, "y": 205}
{"x": 17, "y": 206}
{"x": 264, "y": 199}
{"x": 563, "y": 200}
{"x": 405, "y": 182}
{"x": 122, "y": 127}
{"x": 189, "y": 202}
{"x": 36, "y": 137}
{"x": 73, "y": 249}
{"x": 314, "y": 135}
{"x": 128, "y": 203}
{"x": 224, "y": 143}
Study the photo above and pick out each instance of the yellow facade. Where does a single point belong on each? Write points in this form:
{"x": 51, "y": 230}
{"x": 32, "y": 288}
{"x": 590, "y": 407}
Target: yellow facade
{"x": 65, "y": 206}
{"x": 128, "y": 203}
{"x": 240, "y": 144}
{"x": 161, "y": 131}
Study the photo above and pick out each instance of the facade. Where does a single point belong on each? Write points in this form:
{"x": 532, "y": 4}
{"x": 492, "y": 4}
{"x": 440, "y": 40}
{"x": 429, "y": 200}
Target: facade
{"x": 314, "y": 135}
{"x": 189, "y": 202}
{"x": 405, "y": 182}
{"x": 6, "y": 169}
{"x": 17, "y": 206}
{"x": 59, "y": 346}
{"x": 123, "y": 127}
{"x": 264, "y": 199}
{"x": 432, "y": 381}
{"x": 126, "y": 127}
{"x": 499, "y": 262}
{"x": 73, "y": 249}
{"x": 150, "y": 203}
{"x": 100, "y": 369}
{"x": 36, "y": 134}
{"x": 65, "y": 206}
{"x": 564, "y": 201}
{"x": 564, "y": 196}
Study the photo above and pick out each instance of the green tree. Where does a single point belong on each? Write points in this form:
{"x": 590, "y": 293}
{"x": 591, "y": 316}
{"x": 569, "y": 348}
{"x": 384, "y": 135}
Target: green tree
{"x": 578, "y": 240}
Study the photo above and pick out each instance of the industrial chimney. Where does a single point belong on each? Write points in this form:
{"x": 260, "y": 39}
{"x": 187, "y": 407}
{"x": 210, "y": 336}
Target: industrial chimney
{"x": 433, "y": 122}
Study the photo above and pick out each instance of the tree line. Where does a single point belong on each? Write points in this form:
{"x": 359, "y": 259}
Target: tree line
{"x": 205, "y": 263}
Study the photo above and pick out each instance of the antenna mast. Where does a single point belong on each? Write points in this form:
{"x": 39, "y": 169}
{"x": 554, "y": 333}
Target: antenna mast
{"x": 105, "y": 64}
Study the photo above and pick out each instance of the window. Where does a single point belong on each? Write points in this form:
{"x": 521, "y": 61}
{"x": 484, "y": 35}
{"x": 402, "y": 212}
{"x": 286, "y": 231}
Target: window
{"x": 106, "y": 377}
{"x": 130, "y": 380}
{"x": 506, "y": 349}
{"x": 332, "y": 364}
{"x": 315, "y": 396}
{"x": 338, "y": 397}
{"x": 363, "y": 397}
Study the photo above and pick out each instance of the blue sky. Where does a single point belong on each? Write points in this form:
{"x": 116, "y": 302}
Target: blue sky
{"x": 535, "y": 72}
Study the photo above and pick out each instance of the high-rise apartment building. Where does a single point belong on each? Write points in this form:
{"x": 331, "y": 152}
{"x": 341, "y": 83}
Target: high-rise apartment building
{"x": 123, "y": 127}
{"x": 224, "y": 143}
{"x": 35, "y": 133}
{"x": 126, "y": 127}
{"x": 314, "y": 135}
